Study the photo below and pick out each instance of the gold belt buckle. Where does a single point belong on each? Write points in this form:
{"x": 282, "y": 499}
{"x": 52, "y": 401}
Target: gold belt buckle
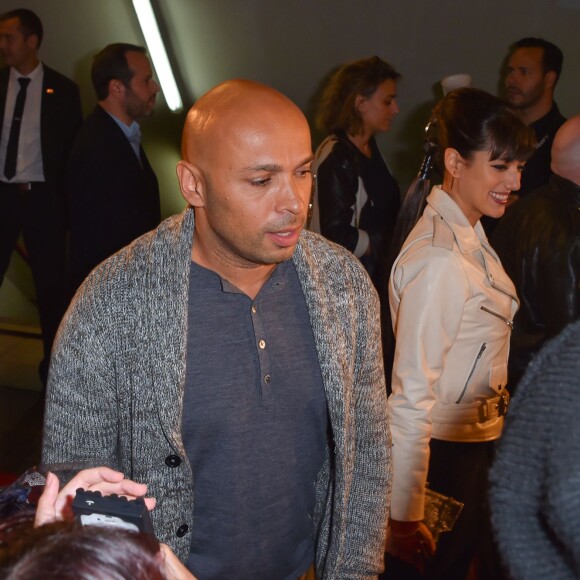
{"x": 503, "y": 404}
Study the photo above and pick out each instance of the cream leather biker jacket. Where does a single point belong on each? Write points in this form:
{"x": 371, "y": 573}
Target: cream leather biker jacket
{"x": 452, "y": 308}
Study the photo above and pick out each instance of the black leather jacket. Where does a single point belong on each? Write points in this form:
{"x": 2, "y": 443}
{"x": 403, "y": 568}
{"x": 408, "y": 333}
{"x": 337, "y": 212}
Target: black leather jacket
{"x": 538, "y": 241}
{"x": 341, "y": 220}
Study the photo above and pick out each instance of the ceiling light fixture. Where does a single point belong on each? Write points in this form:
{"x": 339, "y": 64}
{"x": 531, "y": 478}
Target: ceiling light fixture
{"x": 156, "y": 48}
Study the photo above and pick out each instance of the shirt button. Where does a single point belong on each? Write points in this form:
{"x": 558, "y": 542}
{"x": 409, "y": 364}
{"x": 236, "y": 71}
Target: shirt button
{"x": 172, "y": 461}
{"x": 182, "y": 530}
{"x": 267, "y": 378}
{"x": 254, "y": 309}
{"x": 262, "y": 344}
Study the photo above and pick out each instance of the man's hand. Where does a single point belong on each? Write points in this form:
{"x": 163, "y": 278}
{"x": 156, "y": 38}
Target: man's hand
{"x": 55, "y": 505}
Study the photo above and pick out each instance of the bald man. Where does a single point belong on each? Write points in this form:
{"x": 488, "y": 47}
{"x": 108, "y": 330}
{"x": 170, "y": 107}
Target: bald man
{"x": 538, "y": 241}
{"x": 231, "y": 361}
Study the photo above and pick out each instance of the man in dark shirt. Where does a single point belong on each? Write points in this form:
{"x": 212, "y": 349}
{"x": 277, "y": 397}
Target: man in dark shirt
{"x": 534, "y": 68}
{"x": 232, "y": 361}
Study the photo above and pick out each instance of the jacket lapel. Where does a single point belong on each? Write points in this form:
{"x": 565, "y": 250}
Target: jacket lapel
{"x": 324, "y": 316}
{"x": 167, "y": 288}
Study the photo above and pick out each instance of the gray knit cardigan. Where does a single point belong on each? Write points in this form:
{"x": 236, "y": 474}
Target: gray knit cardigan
{"x": 535, "y": 479}
{"x": 117, "y": 378}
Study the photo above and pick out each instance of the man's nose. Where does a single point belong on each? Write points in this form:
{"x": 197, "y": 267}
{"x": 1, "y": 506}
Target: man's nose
{"x": 295, "y": 194}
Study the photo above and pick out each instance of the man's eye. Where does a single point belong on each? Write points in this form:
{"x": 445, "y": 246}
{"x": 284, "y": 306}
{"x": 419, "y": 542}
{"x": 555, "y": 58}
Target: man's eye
{"x": 261, "y": 182}
{"x": 304, "y": 172}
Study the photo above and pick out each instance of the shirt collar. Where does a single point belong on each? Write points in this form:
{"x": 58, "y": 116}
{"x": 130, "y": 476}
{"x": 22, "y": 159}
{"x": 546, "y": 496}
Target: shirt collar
{"x": 33, "y": 76}
{"x": 545, "y": 123}
{"x": 132, "y": 132}
{"x": 469, "y": 239}
{"x": 208, "y": 279}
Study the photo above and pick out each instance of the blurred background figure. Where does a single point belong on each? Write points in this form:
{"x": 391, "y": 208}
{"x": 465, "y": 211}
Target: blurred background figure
{"x": 535, "y": 478}
{"x": 357, "y": 199}
{"x": 113, "y": 191}
{"x": 534, "y": 67}
{"x": 452, "y": 307}
{"x": 40, "y": 112}
{"x": 538, "y": 242}
{"x": 452, "y": 82}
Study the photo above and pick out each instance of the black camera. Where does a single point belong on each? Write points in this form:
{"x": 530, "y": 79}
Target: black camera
{"x": 93, "y": 508}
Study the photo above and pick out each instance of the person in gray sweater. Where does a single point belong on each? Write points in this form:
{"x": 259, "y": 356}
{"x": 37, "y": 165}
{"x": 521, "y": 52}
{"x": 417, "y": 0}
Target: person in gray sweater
{"x": 535, "y": 479}
{"x": 232, "y": 361}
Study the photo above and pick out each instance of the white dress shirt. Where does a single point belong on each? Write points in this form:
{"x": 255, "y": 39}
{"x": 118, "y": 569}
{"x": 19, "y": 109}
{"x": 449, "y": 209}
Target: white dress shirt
{"x": 29, "y": 165}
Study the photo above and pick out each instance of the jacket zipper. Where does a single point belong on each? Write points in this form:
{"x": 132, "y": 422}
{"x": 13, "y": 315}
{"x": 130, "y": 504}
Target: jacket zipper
{"x": 472, "y": 371}
{"x": 497, "y": 315}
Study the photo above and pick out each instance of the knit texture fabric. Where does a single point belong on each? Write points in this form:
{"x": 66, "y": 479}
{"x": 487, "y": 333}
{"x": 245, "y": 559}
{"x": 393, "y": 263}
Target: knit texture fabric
{"x": 117, "y": 377}
{"x": 535, "y": 479}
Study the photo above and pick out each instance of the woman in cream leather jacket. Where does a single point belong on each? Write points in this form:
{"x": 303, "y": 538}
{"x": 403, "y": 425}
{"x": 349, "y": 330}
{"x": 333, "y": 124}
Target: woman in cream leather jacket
{"x": 452, "y": 307}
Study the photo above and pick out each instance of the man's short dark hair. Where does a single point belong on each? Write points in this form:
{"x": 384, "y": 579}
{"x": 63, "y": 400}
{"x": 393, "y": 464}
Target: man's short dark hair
{"x": 552, "y": 57}
{"x": 111, "y": 63}
{"x": 29, "y": 22}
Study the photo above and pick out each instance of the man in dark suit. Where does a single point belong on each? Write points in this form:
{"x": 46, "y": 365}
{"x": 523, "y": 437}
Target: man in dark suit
{"x": 40, "y": 112}
{"x": 114, "y": 195}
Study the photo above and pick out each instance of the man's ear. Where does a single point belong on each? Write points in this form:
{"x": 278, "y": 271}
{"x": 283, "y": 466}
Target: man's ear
{"x": 116, "y": 88}
{"x": 550, "y": 79}
{"x": 191, "y": 183}
{"x": 453, "y": 162}
{"x": 32, "y": 41}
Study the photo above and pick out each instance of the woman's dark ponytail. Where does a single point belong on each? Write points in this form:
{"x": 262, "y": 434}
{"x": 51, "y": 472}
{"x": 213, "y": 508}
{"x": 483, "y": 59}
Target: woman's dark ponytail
{"x": 413, "y": 202}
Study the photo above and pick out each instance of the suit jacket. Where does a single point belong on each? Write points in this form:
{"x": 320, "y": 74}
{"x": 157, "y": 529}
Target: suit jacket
{"x": 60, "y": 118}
{"x": 113, "y": 197}
{"x": 117, "y": 376}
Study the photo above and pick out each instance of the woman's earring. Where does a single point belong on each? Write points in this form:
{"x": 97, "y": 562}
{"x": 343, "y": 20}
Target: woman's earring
{"x": 452, "y": 181}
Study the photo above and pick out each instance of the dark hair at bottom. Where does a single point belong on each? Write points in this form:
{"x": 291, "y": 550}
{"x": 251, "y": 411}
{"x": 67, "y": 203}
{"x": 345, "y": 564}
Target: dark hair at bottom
{"x": 70, "y": 551}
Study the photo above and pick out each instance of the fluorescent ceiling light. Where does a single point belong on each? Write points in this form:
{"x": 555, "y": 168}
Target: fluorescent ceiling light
{"x": 158, "y": 53}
